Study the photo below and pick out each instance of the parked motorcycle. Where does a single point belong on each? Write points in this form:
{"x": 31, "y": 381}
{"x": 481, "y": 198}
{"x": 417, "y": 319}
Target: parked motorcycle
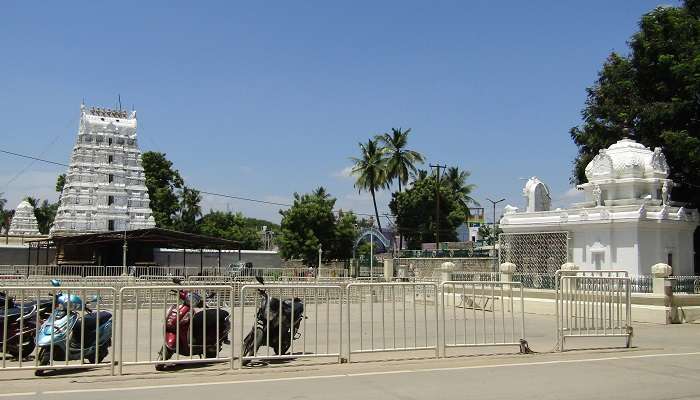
{"x": 180, "y": 314}
{"x": 268, "y": 317}
{"x": 17, "y": 337}
{"x": 64, "y": 328}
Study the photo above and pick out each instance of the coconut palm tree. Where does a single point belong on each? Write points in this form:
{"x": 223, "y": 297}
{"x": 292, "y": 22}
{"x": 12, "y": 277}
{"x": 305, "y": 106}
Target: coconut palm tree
{"x": 456, "y": 181}
{"x": 370, "y": 171}
{"x": 400, "y": 162}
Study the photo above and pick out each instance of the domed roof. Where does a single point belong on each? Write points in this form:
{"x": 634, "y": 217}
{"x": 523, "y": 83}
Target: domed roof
{"x": 24, "y": 205}
{"x": 627, "y": 159}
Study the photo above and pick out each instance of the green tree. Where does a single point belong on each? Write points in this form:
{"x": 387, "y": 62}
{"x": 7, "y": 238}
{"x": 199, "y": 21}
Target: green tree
{"x": 189, "y": 210}
{"x": 487, "y": 234}
{"x": 655, "y": 92}
{"x": 310, "y": 222}
{"x": 44, "y": 212}
{"x": 60, "y": 183}
{"x": 415, "y": 212}
{"x": 5, "y": 215}
{"x": 231, "y": 226}
{"x": 370, "y": 171}
{"x": 400, "y": 162}
{"x": 162, "y": 181}
{"x": 456, "y": 181}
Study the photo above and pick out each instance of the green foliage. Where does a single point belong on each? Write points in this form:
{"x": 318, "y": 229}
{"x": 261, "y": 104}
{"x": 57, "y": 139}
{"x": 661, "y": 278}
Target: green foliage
{"x": 230, "y": 226}
{"x": 400, "y": 162}
{"x": 456, "y": 181}
{"x": 415, "y": 212}
{"x": 5, "y": 215}
{"x": 60, "y": 183}
{"x": 487, "y": 234}
{"x": 189, "y": 210}
{"x": 44, "y": 212}
{"x": 162, "y": 182}
{"x": 310, "y": 222}
{"x": 654, "y": 91}
{"x": 370, "y": 171}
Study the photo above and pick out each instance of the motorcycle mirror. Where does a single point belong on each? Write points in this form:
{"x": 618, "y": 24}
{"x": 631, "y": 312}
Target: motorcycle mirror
{"x": 260, "y": 280}
{"x": 95, "y": 298}
{"x": 55, "y": 282}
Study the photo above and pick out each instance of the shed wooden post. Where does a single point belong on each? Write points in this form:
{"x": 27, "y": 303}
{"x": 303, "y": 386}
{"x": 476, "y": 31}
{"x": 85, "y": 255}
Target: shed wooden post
{"x": 218, "y": 263}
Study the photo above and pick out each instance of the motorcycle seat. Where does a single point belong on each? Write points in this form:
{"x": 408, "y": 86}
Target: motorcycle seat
{"x": 14, "y": 313}
{"x": 90, "y": 322}
{"x": 298, "y": 307}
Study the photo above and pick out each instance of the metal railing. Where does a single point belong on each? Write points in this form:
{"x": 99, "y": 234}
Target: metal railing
{"x": 313, "y": 316}
{"x": 382, "y": 308}
{"x": 66, "y": 327}
{"x": 686, "y": 284}
{"x": 482, "y": 314}
{"x": 176, "y": 324}
{"x": 592, "y": 304}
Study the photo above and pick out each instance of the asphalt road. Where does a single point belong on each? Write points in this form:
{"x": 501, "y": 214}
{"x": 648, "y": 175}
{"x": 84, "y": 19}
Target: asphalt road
{"x": 589, "y": 375}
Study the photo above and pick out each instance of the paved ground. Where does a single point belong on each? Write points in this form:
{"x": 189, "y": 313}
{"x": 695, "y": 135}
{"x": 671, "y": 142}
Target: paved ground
{"x": 664, "y": 364}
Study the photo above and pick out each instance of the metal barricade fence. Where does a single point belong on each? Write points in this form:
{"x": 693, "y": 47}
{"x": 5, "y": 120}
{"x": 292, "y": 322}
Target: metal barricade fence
{"x": 312, "y": 318}
{"x": 62, "y": 326}
{"x": 163, "y": 325}
{"x": 492, "y": 314}
{"x": 382, "y": 308}
{"x": 593, "y": 304}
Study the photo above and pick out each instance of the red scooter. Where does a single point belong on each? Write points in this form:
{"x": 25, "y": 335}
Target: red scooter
{"x": 180, "y": 315}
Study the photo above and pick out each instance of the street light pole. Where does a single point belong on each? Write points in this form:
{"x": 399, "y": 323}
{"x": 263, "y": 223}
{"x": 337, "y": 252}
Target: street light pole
{"x": 371, "y": 257}
{"x": 493, "y": 230}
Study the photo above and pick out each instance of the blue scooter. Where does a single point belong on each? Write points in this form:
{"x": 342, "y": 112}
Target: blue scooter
{"x": 64, "y": 329}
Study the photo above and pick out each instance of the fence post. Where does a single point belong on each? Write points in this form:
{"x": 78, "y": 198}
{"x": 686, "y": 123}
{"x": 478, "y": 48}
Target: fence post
{"x": 661, "y": 285}
{"x": 507, "y": 270}
{"x": 568, "y": 269}
{"x": 446, "y": 270}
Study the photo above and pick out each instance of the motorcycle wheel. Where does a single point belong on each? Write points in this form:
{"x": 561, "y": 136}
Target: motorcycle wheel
{"x": 43, "y": 356}
{"x": 285, "y": 346}
{"x": 248, "y": 345}
{"x": 27, "y": 349}
{"x": 163, "y": 357}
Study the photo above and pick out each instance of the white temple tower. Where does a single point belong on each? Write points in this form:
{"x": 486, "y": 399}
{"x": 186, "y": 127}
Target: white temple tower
{"x": 24, "y": 221}
{"x": 105, "y": 186}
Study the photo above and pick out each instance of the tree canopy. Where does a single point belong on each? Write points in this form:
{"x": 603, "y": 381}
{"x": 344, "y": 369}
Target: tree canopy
{"x": 44, "y": 212}
{"x": 310, "y": 222}
{"x": 162, "y": 181}
{"x": 231, "y": 226}
{"x": 654, "y": 94}
{"x": 415, "y": 212}
{"x": 370, "y": 171}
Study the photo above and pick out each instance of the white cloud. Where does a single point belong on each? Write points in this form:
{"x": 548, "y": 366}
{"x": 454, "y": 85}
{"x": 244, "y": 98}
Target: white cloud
{"x": 572, "y": 195}
{"x": 345, "y": 173}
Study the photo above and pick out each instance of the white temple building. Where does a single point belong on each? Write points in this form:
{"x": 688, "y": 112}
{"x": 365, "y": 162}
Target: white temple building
{"x": 105, "y": 187}
{"x": 24, "y": 221}
{"x": 627, "y": 221}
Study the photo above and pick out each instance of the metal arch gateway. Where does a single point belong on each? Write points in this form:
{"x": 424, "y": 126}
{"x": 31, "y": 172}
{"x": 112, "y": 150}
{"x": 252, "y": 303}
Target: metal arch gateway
{"x": 372, "y": 231}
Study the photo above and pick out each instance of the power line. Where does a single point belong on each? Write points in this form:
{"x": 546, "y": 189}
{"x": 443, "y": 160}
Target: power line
{"x": 228, "y": 196}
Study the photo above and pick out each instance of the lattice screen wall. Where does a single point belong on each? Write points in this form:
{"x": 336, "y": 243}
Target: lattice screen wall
{"x": 537, "y": 252}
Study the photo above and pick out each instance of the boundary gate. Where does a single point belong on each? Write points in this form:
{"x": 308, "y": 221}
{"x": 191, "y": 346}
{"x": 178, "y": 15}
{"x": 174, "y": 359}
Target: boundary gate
{"x": 593, "y": 304}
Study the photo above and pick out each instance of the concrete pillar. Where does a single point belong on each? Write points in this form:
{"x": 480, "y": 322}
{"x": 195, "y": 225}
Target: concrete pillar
{"x": 661, "y": 285}
{"x": 568, "y": 269}
{"x": 446, "y": 270}
{"x": 388, "y": 269}
{"x": 507, "y": 270}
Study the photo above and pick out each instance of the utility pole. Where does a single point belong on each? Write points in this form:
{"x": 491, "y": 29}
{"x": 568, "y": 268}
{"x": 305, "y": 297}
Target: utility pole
{"x": 437, "y": 204}
{"x": 493, "y": 231}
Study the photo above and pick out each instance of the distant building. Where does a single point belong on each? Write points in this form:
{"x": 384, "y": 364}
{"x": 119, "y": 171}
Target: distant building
{"x": 105, "y": 187}
{"x": 24, "y": 221}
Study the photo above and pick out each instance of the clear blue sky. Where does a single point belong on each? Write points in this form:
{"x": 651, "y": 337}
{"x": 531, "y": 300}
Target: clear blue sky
{"x": 262, "y": 99}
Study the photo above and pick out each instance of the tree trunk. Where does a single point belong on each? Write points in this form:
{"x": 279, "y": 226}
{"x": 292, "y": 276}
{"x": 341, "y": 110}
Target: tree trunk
{"x": 374, "y": 200}
{"x": 399, "y": 228}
